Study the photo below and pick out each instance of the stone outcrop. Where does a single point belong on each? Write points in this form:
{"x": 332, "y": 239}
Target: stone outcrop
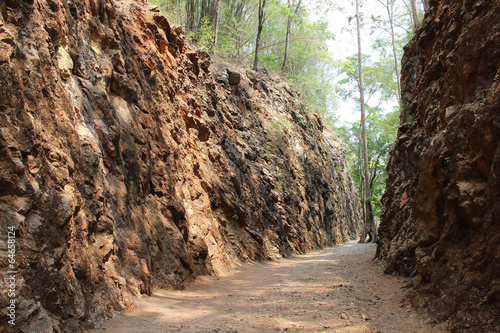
{"x": 440, "y": 222}
{"x": 128, "y": 162}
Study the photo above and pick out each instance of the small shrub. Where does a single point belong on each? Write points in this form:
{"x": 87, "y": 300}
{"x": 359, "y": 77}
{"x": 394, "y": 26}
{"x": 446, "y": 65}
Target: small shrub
{"x": 205, "y": 38}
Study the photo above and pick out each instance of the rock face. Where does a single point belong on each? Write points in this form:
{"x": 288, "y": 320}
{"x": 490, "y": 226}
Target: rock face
{"x": 440, "y": 223}
{"x": 128, "y": 163}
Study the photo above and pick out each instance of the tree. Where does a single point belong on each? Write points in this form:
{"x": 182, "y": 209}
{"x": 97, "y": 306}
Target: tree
{"x": 381, "y": 133}
{"x": 289, "y": 32}
{"x": 389, "y": 7}
{"x": 191, "y": 14}
{"x": 262, "y": 18}
{"x": 426, "y": 5}
{"x": 369, "y": 229}
{"x": 216, "y": 28}
{"x": 238, "y": 20}
{"x": 414, "y": 15}
{"x": 379, "y": 83}
{"x": 204, "y": 35}
{"x": 378, "y": 86}
{"x": 233, "y": 26}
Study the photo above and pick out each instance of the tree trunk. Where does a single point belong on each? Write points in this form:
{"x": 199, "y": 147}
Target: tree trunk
{"x": 362, "y": 178}
{"x": 288, "y": 33}
{"x": 262, "y": 4}
{"x": 287, "y": 41}
{"x": 426, "y": 5}
{"x": 368, "y": 217}
{"x": 371, "y": 230}
{"x": 414, "y": 15}
{"x": 216, "y": 28}
{"x": 396, "y": 65}
{"x": 189, "y": 15}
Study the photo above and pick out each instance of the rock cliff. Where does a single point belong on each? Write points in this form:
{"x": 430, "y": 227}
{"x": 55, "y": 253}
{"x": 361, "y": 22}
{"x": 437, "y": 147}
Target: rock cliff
{"x": 440, "y": 223}
{"x": 129, "y": 162}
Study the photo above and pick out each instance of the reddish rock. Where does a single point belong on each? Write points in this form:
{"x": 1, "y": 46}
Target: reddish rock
{"x": 125, "y": 166}
{"x": 440, "y": 221}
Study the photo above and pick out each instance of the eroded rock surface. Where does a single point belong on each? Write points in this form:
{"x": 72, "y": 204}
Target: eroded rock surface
{"x": 440, "y": 223}
{"x": 129, "y": 163}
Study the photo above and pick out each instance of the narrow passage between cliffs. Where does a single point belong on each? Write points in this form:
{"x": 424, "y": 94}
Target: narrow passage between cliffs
{"x": 332, "y": 290}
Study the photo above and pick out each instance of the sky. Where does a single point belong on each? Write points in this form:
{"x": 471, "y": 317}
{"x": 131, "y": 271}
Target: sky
{"x": 345, "y": 45}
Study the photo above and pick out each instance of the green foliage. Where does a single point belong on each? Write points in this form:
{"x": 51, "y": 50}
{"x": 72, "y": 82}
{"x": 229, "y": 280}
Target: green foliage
{"x": 410, "y": 120}
{"x": 173, "y": 10}
{"x": 267, "y": 153}
{"x": 339, "y": 168}
{"x": 301, "y": 123}
{"x": 238, "y": 24}
{"x": 381, "y": 134}
{"x": 310, "y": 63}
{"x": 276, "y": 126}
{"x": 311, "y": 67}
{"x": 380, "y": 69}
{"x": 378, "y": 79}
{"x": 284, "y": 120}
{"x": 285, "y": 191}
{"x": 205, "y": 38}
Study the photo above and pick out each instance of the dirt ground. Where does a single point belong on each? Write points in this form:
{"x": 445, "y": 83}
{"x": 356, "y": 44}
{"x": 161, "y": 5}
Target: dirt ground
{"x": 333, "y": 290}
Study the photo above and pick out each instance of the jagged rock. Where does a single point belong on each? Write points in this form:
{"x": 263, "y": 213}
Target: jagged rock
{"x": 65, "y": 63}
{"x": 204, "y": 61}
{"x": 138, "y": 170}
{"x": 439, "y": 223}
{"x": 234, "y": 77}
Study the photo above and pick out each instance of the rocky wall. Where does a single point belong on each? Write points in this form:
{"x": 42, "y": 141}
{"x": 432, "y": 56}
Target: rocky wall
{"x": 440, "y": 223}
{"x": 128, "y": 162}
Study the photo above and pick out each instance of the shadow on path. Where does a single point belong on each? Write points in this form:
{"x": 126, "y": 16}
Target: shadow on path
{"x": 332, "y": 290}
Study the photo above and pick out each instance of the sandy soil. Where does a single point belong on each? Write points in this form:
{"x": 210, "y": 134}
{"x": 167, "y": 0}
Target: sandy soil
{"x": 333, "y": 290}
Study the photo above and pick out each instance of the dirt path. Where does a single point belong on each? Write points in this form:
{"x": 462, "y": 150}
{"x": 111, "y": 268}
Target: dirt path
{"x": 332, "y": 290}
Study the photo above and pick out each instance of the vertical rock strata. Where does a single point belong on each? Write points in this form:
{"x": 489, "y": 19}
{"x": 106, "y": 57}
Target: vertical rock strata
{"x": 127, "y": 163}
{"x": 441, "y": 217}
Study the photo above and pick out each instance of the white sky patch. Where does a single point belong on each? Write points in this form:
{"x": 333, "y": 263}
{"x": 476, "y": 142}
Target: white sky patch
{"x": 345, "y": 45}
